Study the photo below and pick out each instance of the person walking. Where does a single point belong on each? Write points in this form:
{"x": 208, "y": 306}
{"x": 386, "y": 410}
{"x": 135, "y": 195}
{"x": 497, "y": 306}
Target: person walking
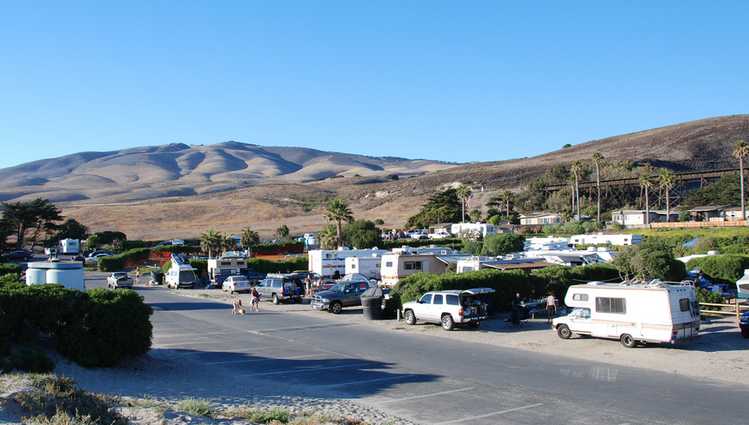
{"x": 551, "y": 307}
{"x": 254, "y": 300}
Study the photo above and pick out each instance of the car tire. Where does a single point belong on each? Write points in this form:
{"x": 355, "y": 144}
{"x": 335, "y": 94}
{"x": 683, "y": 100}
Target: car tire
{"x": 628, "y": 341}
{"x": 447, "y": 322}
{"x": 410, "y": 317}
{"x": 276, "y": 301}
{"x": 336, "y": 307}
{"x": 564, "y": 332}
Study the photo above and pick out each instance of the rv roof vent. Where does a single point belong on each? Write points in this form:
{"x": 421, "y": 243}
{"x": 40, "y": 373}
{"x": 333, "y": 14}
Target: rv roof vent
{"x": 596, "y": 283}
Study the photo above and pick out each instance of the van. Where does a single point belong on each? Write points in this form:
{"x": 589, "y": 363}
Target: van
{"x": 181, "y": 276}
{"x": 655, "y": 312}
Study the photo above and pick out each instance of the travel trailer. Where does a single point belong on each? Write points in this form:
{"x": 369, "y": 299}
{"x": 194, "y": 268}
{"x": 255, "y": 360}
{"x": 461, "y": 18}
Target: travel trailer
{"x": 603, "y": 239}
{"x": 742, "y": 286}
{"x": 478, "y": 229}
{"x": 397, "y": 265}
{"x": 367, "y": 266}
{"x": 181, "y": 274}
{"x": 70, "y": 247}
{"x": 222, "y": 267}
{"x": 656, "y": 312}
{"x": 326, "y": 262}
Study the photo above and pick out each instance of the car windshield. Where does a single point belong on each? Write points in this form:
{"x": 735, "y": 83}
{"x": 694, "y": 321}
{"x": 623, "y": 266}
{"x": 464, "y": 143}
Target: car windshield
{"x": 338, "y": 287}
{"x": 187, "y": 276}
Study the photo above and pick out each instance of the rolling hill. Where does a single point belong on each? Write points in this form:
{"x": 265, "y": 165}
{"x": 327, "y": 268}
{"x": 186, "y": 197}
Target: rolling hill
{"x": 179, "y": 191}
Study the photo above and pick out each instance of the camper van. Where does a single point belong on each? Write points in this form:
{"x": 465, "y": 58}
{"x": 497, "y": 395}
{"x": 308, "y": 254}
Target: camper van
{"x": 742, "y": 286}
{"x": 70, "y": 246}
{"x": 181, "y": 274}
{"x": 656, "y": 312}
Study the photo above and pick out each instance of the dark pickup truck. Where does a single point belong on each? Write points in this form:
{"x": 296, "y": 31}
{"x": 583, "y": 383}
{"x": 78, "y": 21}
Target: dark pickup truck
{"x": 342, "y": 294}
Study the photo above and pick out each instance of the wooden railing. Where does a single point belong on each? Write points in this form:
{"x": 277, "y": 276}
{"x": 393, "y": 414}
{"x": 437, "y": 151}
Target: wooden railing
{"x": 731, "y": 309}
{"x": 698, "y": 224}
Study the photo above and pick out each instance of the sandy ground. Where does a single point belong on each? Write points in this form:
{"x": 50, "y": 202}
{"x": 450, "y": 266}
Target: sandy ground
{"x": 720, "y": 353}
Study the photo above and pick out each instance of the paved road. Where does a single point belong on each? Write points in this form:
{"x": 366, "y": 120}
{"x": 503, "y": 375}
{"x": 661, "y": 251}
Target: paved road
{"x": 431, "y": 380}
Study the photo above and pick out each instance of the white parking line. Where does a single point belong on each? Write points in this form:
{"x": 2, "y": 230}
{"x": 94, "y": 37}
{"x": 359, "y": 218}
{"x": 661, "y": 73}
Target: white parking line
{"x": 301, "y": 370}
{"x": 369, "y": 381}
{"x": 303, "y": 356}
{"x": 501, "y": 412}
{"x": 417, "y": 397}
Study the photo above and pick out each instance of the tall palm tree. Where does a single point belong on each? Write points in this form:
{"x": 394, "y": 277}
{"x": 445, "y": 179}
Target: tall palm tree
{"x": 741, "y": 151}
{"x": 666, "y": 181}
{"x": 576, "y": 169}
{"x": 249, "y": 237}
{"x": 597, "y": 161}
{"x": 646, "y": 184}
{"x": 464, "y": 193}
{"x": 283, "y": 232}
{"x": 212, "y": 242}
{"x": 507, "y": 197}
{"x": 338, "y": 211}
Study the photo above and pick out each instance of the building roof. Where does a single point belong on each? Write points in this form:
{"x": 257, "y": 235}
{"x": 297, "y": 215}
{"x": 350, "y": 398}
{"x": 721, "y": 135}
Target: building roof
{"x": 708, "y": 208}
{"x": 538, "y": 214}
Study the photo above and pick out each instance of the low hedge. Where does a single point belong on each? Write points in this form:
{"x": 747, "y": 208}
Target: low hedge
{"x": 267, "y": 266}
{"x": 290, "y": 247}
{"x": 98, "y": 328}
{"x": 119, "y": 261}
{"x": 505, "y": 283}
{"x": 9, "y": 268}
{"x": 721, "y": 268}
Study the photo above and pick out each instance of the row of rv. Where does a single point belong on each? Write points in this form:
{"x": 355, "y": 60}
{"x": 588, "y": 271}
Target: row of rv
{"x": 391, "y": 266}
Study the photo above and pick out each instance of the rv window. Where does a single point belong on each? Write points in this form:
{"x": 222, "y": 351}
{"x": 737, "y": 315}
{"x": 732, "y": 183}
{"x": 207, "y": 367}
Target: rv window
{"x": 611, "y": 305}
{"x": 580, "y": 297}
{"x": 412, "y": 265}
{"x": 426, "y": 299}
{"x": 684, "y": 304}
{"x": 389, "y": 264}
{"x": 452, "y": 300}
{"x": 437, "y": 299}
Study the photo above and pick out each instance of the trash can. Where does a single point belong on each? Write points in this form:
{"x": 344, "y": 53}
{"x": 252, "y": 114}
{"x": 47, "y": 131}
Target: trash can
{"x": 371, "y": 302}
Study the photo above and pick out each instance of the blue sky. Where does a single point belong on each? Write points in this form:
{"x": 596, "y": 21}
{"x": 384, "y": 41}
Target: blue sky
{"x": 455, "y": 81}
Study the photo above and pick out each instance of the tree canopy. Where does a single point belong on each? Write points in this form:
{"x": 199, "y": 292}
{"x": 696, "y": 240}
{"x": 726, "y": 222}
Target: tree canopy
{"x": 501, "y": 244}
{"x": 442, "y": 207}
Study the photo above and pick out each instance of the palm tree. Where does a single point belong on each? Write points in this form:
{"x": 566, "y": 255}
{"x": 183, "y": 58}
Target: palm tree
{"x": 507, "y": 197}
{"x": 212, "y": 241}
{"x": 741, "y": 151}
{"x": 597, "y": 160}
{"x": 464, "y": 193}
{"x": 645, "y": 184}
{"x": 283, "y": 232}
{"x": 338, "y": 212}
{"x": 249, "y": 237}
{"x": 576, "y": 169}
{"x": 666, "y": 180}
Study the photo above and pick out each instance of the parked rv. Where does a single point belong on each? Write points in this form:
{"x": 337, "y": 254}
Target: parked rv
{"x": 655, "y": 312}
{"x": 181, "y": 274}
{"x": 225, "y": 266}
{"x": 448, "y": 308}
{"x": 742, "y": 286}
{"x": 69, "y": 247}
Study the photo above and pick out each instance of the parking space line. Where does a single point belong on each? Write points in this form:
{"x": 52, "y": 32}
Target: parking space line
{"x": 369, "y": 381}
{"x": 501, "y": 412}
{"x": 417, "y": 397}
{"x": 301, "y": 370}
{"x": 303, "y": 356}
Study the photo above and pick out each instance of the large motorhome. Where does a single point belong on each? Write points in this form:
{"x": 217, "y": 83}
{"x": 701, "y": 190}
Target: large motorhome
{"x": 326, "y": 262}
{"x": 656, "y": 312}
{"x": 70, "y": 246}
{"x": 397, "y": 265}
{"x": 367, "y": 266}
{"x": 604, "y": 239}
{"x": 222, "y": 267}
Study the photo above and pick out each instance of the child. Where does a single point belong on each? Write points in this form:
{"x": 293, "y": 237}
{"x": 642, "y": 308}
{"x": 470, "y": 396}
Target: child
{"x": 237, "y": 307}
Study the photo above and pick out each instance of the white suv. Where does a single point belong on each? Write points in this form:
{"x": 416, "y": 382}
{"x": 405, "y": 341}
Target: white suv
{"x": 448, "y": 308}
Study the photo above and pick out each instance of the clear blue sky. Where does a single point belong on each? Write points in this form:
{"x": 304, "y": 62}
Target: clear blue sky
{"x": 448, "y": 80}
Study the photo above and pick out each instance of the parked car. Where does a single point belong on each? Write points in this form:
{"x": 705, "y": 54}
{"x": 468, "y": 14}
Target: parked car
{"x": 439, "y": 234}
{"x": 19, "y": 255}
{"x": 234, "y": 284}
{"x": 346, "y": 293}
{"x": 280, "y": 288}
{"x": 155, "y": 277}
{"x": 744, "y": 324}
{"x": 448, "y": 308}
{"x": 118, "y": 280}
{"x": 94, "y": 257}
{"x": 418, "y": 234}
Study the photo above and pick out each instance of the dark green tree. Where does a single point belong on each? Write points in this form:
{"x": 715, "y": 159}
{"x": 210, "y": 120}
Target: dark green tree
{"x": 503, "y": 243}
{"x": 362, "y": 234}
{"x": 442, "y": 207}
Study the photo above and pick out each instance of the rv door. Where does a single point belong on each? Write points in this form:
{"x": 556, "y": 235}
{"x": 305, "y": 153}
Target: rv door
{"x": 580, "y": 321}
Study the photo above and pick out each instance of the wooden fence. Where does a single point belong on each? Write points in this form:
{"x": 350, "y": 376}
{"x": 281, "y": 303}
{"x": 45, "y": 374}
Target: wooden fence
{"x": 698, "y": 224}
{"x": 733, "y": 309}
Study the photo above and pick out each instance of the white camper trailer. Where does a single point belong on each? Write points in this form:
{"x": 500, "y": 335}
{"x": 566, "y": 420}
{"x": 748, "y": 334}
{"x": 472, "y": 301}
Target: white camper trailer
{"x": 70, "y": 246}
{"x": 742, "y": 286}
{"x": 326, "y": 262}
{"x": 227, "y": 265}
{"x": 181, "y": 274}
{"x": 656, "y": 312}
{"x": 367, "y": 266}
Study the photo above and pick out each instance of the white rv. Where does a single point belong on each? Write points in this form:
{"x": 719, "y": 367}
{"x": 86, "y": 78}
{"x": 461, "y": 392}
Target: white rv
{"x": 367, "y": 266}
{"x": 181, "y": 274}
{"x": 70, "y": 246}
{"x": 742, "y": 286}
{"x": 227, "y": 265}
{"x": 655, "y": 312}
{"x": 604, "y": 239}
{"x": 477, "y": 229}
{"x": 326, "y": 262}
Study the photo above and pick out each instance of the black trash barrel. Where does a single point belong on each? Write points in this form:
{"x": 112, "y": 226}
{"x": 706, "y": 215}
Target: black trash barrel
{"x": 371, "y": 302}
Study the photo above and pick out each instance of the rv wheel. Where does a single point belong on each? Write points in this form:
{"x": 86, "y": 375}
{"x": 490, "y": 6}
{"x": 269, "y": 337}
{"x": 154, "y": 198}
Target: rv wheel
{"x": 564, "y": 332}
{"x": 628, "y": 341}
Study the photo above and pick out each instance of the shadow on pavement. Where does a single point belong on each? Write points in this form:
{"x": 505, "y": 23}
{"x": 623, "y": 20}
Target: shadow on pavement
{"x": 185, "y": 306}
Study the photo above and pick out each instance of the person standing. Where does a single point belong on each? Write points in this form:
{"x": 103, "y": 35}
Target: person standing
{"x": 254, "y": 300}
{"x": 551, "y": 307}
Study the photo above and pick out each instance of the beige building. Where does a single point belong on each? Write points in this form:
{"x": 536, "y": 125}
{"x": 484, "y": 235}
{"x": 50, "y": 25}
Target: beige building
{"x": 541, "y": 218}
{"x": 397, "y": 265}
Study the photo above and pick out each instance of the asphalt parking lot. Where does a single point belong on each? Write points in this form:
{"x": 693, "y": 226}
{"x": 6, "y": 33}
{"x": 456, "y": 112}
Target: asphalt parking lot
{"x": 425, "y": 379}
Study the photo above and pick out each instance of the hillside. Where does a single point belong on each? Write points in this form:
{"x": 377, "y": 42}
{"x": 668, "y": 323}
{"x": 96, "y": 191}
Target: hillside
{"x": 180, "y": 191}
{"x": 157, "y": 172}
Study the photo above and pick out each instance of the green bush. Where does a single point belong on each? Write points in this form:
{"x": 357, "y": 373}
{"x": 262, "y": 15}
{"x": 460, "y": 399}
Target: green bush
{"x": 8, "y": 280}
{"x": 9, "y": 268}
{"x": 290, "y": 247}
{"x": 195, "y": 407}
{"x": 201, "y": 266}
{"x": 501, "y": 244}
{"x": 267, "y": 266}
{"x": 721, "y": 268}
{"x": 274, "y": 415}
{"x": 118, "y": 262}
{"x": 27, "y": 359}
{"x": 116, "y": 326}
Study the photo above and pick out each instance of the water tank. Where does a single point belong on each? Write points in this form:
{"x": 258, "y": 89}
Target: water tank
{"x": 36, "y": 276}
{"x": 66, "y": 273}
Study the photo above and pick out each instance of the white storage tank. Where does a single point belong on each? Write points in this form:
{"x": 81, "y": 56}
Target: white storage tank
{"x": 66, "y": 273}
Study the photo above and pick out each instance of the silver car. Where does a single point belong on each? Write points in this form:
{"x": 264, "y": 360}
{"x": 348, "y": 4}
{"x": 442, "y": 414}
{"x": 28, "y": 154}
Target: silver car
{"x": 118, "y": 280}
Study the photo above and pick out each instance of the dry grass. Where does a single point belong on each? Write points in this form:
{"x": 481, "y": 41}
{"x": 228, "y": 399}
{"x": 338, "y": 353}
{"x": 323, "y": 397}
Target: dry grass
{"x": 195, "y": 407}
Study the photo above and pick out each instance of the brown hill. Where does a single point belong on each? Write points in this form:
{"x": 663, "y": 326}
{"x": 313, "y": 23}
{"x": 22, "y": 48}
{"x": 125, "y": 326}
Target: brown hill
{"x": 196, "y": 188}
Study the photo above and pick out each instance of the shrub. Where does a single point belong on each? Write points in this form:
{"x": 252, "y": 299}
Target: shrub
{"x": 116, "y": 326}
{"x": 274, "y": 415}
{"x": 472, "y": 246}
{"x": 721, "y": 268}
{"x": 201, "y": 266}
{"x": 9, "y": 268}
{"x": 58, "y": 398}
{"x": 501, "y": 244}
{"x": 195, "y": 407}
{"x": 31, "y": 360}
{"x": 11, "y": 280}
{"x": 119, "y": 261}
{"x": 267, "y": 266}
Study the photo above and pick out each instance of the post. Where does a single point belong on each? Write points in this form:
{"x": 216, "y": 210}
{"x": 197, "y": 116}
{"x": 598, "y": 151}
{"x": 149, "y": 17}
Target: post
{"x": 398, "y": 315}
{"x": 738, "y": 310}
